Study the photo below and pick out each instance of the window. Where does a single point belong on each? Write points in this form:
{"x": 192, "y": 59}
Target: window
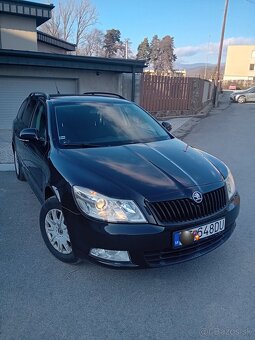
{"x": 253, "y": 54}
{"x": 27, "y": 113}
{"x": 251, "y": 67}
{"x": 22, "y": 107}
{"x": 39, "y": 120}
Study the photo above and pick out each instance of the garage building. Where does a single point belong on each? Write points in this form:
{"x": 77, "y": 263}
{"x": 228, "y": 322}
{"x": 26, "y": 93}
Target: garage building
{"x": 31, "y": 61}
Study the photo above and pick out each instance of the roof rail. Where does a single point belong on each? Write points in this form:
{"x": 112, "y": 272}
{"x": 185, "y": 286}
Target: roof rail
{"x": 39, "y": 94}
{"x": 107, "y": 94}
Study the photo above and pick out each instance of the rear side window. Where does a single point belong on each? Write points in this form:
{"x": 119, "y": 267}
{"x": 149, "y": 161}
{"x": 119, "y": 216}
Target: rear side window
{"x": 28, "y": 112}
{"x": 39, "y": 120}
{"x": 21, "y": 109}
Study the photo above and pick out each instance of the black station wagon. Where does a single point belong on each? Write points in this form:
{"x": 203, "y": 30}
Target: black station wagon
{"x": 116, "y": 186}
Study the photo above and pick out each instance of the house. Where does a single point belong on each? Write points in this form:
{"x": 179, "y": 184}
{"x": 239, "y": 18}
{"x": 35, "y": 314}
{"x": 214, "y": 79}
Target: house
{"x": 31, "y": 60}
{"x": 240, "y": 63}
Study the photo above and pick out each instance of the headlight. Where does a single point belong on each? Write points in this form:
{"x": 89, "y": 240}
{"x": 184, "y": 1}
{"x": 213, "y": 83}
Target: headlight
{"x": 105, "y": 208}
{"x": 230, "y": 183}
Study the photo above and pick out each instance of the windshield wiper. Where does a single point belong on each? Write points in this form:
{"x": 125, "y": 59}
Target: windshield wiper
{"x": 82, "y": 145}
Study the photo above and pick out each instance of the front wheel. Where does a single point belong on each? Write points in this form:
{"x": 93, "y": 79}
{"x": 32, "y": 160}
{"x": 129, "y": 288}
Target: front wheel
{"x": 241, "y": 99}
{"x": 54, "y": 231}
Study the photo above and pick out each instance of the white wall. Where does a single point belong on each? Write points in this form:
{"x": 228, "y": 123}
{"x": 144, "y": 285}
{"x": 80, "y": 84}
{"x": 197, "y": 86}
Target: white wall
{"x": 18, "y": 33}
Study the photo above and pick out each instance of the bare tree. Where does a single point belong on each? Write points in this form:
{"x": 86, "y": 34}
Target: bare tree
{"x": 66, "y": 13}
{"x": 71, "y": 21}
{"x": 53, "y": 26}
{"x": 124, "y": 49}
{"x": 86, "y": 17}
{"x": 93, "y": 44}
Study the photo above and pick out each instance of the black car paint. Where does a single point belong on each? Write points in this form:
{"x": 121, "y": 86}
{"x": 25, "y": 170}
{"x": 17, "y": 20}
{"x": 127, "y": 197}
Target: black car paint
{"x": 153, "y": 171}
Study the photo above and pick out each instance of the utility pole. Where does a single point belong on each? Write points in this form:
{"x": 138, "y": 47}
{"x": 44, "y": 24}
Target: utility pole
{"x": 207, "y": 57}
{"x": 220, "y": 54}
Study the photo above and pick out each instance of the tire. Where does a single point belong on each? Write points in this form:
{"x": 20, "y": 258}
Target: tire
{"x": 18, "y": 167}
{"x": 241, "y": 99}
{"x": 55, "y": 232}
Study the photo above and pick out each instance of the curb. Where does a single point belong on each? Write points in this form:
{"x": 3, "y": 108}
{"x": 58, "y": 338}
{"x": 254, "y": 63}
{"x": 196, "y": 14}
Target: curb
{"x": 7, "y": 167}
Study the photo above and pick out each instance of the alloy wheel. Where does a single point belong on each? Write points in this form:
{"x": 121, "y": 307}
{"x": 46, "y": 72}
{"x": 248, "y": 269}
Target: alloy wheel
{"x": 241, "y": 100}
{"x": 57, "y": 232}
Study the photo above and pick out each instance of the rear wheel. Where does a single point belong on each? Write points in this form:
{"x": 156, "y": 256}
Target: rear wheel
{"x": 241, "y": 100}
{"x": 18, "y": 167}
{"x": 54, "y": 231}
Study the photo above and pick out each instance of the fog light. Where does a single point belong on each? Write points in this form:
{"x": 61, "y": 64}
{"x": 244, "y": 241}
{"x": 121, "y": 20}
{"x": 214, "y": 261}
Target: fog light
{"x": 110, "y": 255}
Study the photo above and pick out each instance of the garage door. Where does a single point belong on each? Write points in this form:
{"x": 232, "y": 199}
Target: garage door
{"x": 14, "y": 90}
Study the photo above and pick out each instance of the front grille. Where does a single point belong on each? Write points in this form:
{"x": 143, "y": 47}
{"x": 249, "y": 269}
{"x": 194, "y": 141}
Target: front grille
{"x": 183, "y": 210}
{"x": 170, "y": 256}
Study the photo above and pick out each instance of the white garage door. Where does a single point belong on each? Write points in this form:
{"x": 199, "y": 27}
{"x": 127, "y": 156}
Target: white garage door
{"x": 14, "y": 90}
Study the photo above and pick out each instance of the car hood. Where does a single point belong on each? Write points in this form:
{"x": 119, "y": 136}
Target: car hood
{"x": 239, "y": 92}
{"x": 154, "y": 170}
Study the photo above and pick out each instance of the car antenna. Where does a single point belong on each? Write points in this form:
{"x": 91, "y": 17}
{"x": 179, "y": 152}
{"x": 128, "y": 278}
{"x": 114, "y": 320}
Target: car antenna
{"x": 57, "y": 88}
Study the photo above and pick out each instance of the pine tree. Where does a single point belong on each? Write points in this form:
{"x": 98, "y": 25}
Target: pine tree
{"x": 111, "y": 42}
{"x": 162, "y": 54}
{"x": 166, "y": 55}
{"x": 143, "y": 51}
{"x": 155, "y": 50}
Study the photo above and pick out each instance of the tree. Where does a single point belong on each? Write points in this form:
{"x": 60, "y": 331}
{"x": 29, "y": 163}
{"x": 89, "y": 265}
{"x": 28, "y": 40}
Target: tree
{"x": 144, "y": 51}
{"x": 111, "y": 42}
{"x": 166, "y": 55}
{"x": 93, "y": 45}
{"x": 71, "y": 21}
{"x": 124, "y": 49}
{"x": 155, "y": 50}
{"x": 162, "y": 53}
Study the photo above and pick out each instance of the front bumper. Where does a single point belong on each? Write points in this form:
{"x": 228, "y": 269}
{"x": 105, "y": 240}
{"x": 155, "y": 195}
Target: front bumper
{"x": 149, "y": 245}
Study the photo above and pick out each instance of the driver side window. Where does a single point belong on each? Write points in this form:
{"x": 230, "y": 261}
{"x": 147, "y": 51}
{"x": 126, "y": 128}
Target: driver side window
{"x": 39, "y": 120}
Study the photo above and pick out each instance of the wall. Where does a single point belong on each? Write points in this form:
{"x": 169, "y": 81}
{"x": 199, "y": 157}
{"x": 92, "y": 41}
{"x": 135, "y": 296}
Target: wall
{"x": 238, "y": 62}
{"x": 18, "y": 33}
{"x": 207, "y": 92}
{"x": 42, "y": 47}
{"x": 126, "y": 86}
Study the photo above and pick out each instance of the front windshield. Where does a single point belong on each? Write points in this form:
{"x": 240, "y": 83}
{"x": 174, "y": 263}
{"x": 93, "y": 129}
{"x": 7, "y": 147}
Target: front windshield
{"x": 105, "y": 124}
{"x": 251, "y": 89}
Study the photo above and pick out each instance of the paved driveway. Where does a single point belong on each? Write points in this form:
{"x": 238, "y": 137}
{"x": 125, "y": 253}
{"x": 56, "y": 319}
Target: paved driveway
{"x": 213, "y": 296}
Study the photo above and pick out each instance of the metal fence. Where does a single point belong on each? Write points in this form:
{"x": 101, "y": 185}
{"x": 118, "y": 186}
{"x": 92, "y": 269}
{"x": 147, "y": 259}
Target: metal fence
{"x": 174, "y": 95}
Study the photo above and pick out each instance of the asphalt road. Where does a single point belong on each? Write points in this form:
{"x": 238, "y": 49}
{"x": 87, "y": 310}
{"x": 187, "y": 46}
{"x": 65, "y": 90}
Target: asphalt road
{"x": 210, "y": 297}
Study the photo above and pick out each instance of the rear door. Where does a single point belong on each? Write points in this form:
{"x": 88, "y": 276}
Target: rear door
{"x": 24, "y": 122}
{"x": 38, "y": 151}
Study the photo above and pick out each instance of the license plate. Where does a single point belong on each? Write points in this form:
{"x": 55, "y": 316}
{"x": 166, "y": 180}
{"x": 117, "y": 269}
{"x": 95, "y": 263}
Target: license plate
{"x": 190, "y": 236}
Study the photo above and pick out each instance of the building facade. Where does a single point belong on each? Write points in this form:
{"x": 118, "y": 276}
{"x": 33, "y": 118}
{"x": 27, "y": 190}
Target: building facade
{"x": 240, "y": 63}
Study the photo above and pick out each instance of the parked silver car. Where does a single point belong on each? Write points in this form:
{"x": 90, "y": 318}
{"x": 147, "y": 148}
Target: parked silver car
{"x": 243, "y": 96}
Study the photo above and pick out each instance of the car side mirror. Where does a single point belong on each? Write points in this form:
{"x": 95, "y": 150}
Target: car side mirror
{"x": 167, "y": 126}
{"x": 29, "y": 135}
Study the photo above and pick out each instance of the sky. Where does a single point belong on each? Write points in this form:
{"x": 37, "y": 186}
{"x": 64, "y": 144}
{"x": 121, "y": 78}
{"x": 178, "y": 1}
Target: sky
{"x": 194, "y": 24}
